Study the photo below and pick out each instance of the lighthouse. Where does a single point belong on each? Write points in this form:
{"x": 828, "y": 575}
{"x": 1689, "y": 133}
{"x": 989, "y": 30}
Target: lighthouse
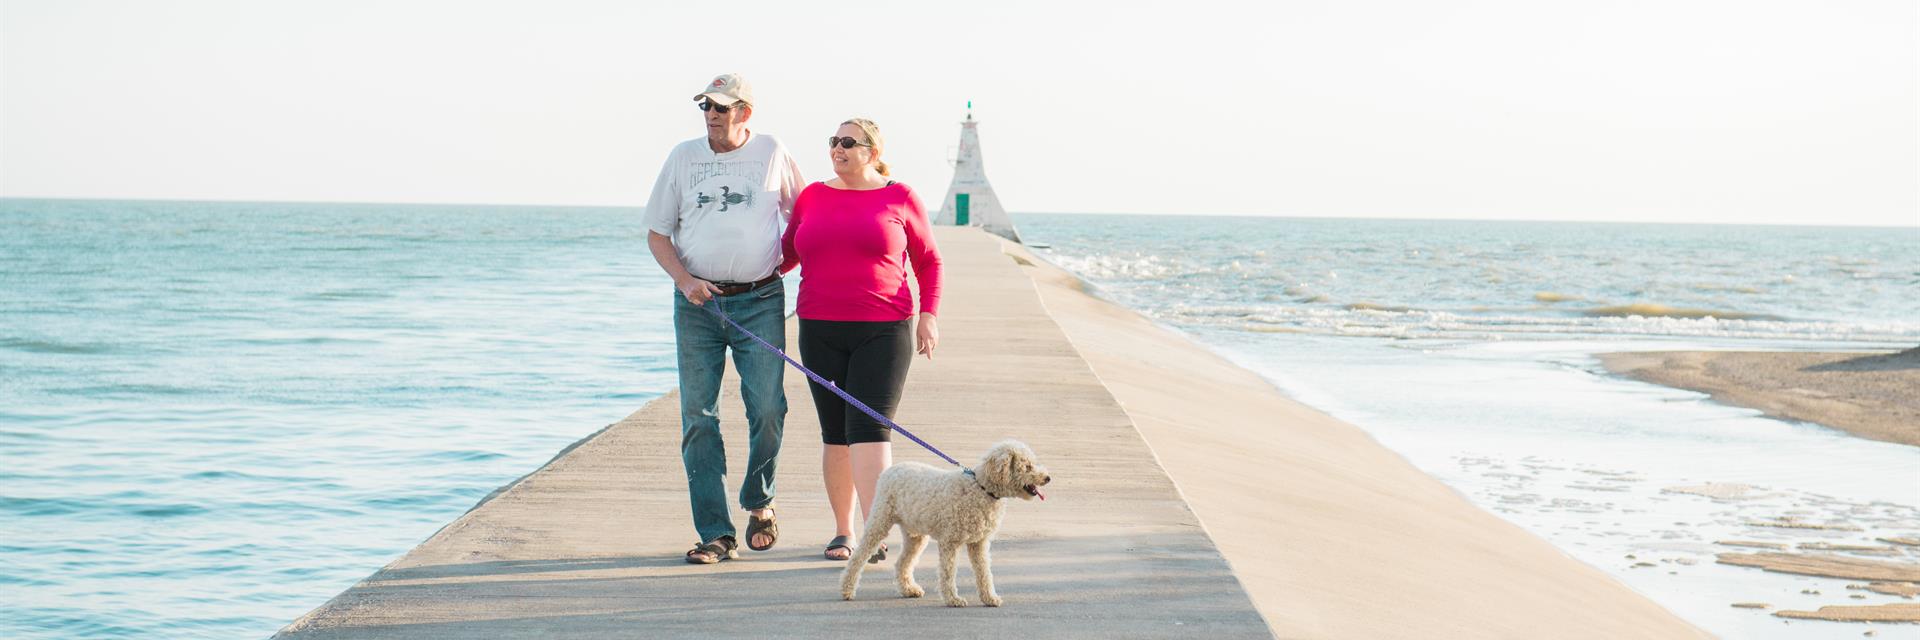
{"x": 970, "y": 200}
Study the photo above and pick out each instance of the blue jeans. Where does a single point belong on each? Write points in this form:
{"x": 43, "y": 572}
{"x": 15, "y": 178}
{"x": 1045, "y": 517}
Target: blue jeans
{"x": 702, "y": 339}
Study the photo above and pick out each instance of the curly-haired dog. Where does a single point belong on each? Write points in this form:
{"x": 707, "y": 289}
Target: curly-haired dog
{"x": 954, "y": 507}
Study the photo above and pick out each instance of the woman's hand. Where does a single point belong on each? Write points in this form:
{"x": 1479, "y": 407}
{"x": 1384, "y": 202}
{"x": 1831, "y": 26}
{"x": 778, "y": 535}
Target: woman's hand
{"x": 926, "y": 336}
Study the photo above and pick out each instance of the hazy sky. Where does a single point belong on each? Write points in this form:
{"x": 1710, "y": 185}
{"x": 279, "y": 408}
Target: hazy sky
{"x": 1708, "y": 111}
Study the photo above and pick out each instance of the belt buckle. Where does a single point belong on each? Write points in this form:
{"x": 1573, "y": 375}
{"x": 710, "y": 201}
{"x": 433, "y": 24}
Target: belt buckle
{"x": 737, "y": 288}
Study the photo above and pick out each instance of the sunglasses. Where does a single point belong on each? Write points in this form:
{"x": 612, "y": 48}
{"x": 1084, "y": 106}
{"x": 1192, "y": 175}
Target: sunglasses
{"x": 709, "y": 105}
{"x": 844, "y": 143}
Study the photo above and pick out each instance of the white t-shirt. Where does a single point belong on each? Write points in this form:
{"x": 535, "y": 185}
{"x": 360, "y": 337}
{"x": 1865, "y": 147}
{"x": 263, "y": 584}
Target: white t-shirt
{"x": 725, "y": 211}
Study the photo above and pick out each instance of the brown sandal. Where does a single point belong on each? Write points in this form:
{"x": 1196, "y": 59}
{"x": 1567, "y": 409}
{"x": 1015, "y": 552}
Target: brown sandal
{"x": 757, "y": 526}
{"x": 722, "y": 548}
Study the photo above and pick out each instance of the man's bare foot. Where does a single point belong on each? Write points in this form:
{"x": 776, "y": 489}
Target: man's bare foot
{"x": 761, "y": 539}
{"x": 721, "y": 548}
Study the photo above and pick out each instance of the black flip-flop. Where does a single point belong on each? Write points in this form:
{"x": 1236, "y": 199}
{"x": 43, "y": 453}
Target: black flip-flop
{"x": 838, "y": 542}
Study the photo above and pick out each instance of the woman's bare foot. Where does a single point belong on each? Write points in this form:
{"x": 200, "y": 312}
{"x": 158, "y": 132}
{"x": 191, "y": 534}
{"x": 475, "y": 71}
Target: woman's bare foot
{"x": 838, "y": 549}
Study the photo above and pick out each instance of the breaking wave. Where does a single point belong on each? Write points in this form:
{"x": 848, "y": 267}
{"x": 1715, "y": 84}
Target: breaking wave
{"x": 1551, "y": 297}
{"x": 1495, "y": 280}
{"x": 1472, "y": 326}
{"x": 1650, "y": 310}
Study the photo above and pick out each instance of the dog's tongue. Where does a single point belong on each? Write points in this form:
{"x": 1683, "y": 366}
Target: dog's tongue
{"x": 1037, "y": 493}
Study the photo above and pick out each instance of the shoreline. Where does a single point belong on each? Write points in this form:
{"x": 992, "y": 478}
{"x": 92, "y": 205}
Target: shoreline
{"x": 1332, "y": 533}
{"x": 1866, "y": 395}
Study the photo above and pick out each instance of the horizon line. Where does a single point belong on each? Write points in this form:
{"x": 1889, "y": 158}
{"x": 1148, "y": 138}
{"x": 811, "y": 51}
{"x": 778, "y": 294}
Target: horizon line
{"x": 1299, "y": 216}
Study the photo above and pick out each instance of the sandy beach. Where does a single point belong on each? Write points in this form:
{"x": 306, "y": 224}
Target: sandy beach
{"x": 1875, "y": 396}
{"x": 1867, "y": 395}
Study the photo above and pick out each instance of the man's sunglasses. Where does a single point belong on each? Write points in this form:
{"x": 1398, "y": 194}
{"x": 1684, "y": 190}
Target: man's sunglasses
{"x": 844, "y": 143}
{"x": 709, "y": 105}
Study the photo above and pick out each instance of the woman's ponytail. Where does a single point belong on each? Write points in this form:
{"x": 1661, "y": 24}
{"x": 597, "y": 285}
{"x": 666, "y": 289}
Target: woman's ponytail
{"x": 872, "y": 133}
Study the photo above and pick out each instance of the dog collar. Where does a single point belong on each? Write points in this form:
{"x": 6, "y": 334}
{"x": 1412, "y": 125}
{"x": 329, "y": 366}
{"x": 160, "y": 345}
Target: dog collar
{"x": 977, "y": 483}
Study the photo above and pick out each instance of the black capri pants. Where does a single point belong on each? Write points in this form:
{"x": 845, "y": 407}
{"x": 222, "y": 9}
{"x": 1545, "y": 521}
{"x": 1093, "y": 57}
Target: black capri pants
{"x": 869, "y": 361}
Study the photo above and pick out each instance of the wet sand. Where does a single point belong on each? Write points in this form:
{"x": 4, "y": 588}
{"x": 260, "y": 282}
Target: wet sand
{"x": 1876, "y": 613}
{"x": 1829, "y": 566}
{"x": 1874, "y": 396}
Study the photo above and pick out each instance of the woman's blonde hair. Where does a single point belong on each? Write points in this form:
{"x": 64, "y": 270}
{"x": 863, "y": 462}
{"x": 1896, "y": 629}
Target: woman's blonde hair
{"x": 872, "y": 133}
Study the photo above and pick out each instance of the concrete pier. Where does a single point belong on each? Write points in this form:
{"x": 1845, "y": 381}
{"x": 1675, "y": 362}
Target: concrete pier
{"x": 590, "y": 545}
{"x": 1191, "y": 499}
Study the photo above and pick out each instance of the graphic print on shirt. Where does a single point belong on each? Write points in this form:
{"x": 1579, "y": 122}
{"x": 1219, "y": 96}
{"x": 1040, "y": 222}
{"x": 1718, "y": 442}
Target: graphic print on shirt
{"x": 726, "y": 198}
{"x": 725, "y": 186}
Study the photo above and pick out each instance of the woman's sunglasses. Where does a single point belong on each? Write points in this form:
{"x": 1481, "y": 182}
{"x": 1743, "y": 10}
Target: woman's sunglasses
{"x": 844, "y": 143}
{"x": 709, "y": 105}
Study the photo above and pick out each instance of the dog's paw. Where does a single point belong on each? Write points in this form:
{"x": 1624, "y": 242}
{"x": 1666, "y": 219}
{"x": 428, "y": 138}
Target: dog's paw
{"x": 990, "y": 600}
{"x": 956, "y": 602}
{"x": 911, "y": 591}
{"x": 846, "y": 594}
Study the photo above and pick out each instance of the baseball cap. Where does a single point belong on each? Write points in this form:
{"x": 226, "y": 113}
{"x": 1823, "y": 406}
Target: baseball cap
{"x": 726, "y": 89}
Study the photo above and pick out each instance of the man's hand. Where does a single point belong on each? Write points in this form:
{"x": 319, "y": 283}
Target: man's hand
{"x": 696, "y": 290}
{"x": 926, "y": 336}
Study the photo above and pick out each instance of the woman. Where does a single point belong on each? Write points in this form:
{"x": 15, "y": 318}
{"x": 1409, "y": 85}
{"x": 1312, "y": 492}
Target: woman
{"x": 853, "y": 237}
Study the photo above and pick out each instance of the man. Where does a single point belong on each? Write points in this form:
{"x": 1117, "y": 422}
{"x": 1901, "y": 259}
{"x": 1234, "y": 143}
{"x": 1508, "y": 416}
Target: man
{"x": 714, "y": 223}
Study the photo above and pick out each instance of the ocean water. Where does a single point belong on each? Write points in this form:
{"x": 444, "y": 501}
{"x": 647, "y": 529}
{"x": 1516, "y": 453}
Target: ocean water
{"x": 1488, "y": 280}
{"x": 216, "y": 416}
{"x": 1469, "y": 349}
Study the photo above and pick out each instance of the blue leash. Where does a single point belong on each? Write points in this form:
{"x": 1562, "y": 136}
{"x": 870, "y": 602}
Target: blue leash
{"x": 833, "y": 387}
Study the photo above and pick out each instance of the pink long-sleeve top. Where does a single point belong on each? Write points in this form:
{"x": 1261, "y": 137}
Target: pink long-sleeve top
{"x": 853, "y": 248}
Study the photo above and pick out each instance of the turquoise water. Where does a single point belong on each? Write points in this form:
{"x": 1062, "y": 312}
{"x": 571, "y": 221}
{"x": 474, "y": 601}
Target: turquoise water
{"x": 1491, "y": 280}
{"x": 1469, "y": 349}
{"x": 214, "y": 417}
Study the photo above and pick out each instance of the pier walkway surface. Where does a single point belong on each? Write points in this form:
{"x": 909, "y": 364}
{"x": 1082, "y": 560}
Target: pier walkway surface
{"x": 590, "y": 545}
{"x": 1190, "y": 499}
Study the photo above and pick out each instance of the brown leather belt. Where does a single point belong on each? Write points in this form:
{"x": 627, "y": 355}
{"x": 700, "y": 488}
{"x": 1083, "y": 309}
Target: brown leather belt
{"x": 737, "y": 288}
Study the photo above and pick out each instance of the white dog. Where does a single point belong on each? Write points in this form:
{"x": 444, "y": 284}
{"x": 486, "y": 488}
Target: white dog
{"x": 954, "y": 507}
